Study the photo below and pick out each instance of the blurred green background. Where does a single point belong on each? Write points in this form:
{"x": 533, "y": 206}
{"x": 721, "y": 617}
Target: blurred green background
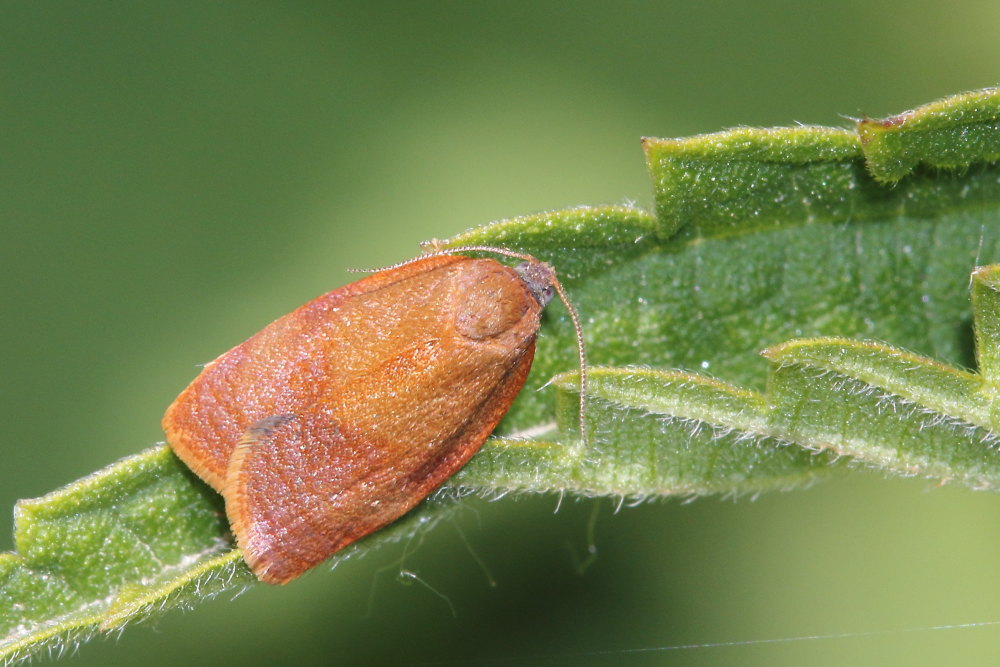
{"x": 175, "y": 175}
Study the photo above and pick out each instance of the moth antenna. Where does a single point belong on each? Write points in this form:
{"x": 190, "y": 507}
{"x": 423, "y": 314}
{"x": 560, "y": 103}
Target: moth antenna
{"x": 573, "y": 315}
{"x": 581, "y": 350}
{"x": 450, "y": 251}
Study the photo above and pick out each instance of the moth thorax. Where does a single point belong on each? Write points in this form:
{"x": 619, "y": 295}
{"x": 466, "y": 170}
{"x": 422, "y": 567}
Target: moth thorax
{"x": 491, "y": 300}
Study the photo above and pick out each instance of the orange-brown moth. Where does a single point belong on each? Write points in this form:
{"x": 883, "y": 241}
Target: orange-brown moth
{"x": 338, "y": 418}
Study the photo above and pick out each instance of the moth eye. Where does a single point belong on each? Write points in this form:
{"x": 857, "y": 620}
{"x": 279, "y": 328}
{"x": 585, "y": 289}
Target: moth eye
{"x": 491, "y": 301}
{"x": 547, "y": 295}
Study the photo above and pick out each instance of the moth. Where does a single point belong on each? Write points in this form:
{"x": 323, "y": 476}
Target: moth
{"x": 341, "y": 416}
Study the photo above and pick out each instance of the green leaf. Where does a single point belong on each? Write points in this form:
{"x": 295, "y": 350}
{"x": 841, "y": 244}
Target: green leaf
{"x": 143, "y": 524}
{"x": 654, "y": 433}
{"x": 949, "y": 133}
{"x": 759, "y": 237}
{"x": 746, "y": 180}
{"x": 885, "y": 407}
{"x": 986, "y": 304}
